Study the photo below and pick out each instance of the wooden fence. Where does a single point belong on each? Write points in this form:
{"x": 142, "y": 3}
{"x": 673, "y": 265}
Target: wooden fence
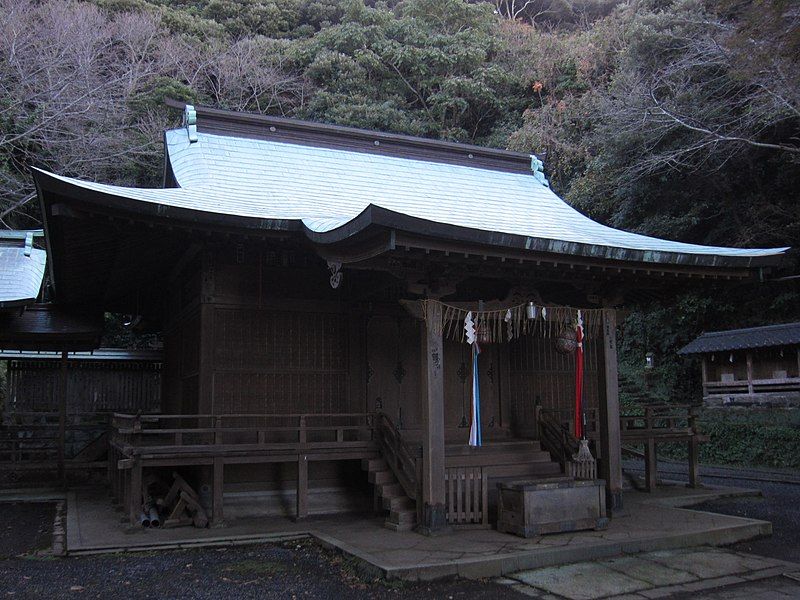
{"x": 467, "y": 496}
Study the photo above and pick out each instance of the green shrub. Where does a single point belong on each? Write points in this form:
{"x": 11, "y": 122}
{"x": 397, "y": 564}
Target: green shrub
{"x": 746, "y": 437}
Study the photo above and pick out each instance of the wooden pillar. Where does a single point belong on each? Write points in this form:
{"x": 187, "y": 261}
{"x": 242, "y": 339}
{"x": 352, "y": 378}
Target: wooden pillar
{"x": 217, "y": 491}
{"x": 302, "y": 487}
{"x": 694, "y": 450}
{"x": 434, "y": 518}
{"x": 610, "y": 439}
{"x": 650, "y": 465}
{"x": 750, "y": 373}
{"x": 694, "y": 463}
{"x": 135, "y": 492}
{"x": 62, "y": 419}
{"x": 704, "y": 375}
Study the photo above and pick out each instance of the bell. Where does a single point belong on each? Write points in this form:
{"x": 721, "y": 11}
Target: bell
{"x": 530, "y": 311}
{"x": 566, "y": 342}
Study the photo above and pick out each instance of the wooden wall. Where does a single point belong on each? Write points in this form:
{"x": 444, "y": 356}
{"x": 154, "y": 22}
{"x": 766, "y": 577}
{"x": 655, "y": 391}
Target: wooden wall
{"x": 181, "y": 373}
{"x": 539, "y": 375}
{"x": 276, "y": 361}
{"x": 94, "y": 386}
{"x": 766, "y": 363}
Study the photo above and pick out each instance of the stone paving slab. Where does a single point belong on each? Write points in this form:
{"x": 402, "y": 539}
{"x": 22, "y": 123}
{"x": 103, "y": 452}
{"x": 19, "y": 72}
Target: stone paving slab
{"x": 650, "y": 575}
{"x": 94, "y": 526}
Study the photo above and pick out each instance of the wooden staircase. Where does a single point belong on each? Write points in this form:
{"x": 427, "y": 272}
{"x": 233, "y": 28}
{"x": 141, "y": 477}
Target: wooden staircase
{"x": 390, "y": 495}
{"x": 471, "y": 475}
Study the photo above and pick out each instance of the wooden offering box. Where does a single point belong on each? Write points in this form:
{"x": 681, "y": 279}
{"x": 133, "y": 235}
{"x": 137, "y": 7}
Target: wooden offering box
{"x": 556, "y": 505}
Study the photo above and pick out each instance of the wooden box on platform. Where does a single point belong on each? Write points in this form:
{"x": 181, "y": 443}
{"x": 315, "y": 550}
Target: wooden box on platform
{"x": 556, "y": 505}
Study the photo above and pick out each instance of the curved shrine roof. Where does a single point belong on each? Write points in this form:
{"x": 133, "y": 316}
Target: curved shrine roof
{"x": 332, "y": 193}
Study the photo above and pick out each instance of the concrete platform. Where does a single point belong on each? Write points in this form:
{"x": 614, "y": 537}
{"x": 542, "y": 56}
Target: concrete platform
{"x": 651, "y": 522}
{"x": 651, "y": 575}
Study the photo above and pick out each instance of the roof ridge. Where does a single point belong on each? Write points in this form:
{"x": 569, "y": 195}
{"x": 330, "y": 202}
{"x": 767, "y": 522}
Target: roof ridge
{"x": 256, "y": 125}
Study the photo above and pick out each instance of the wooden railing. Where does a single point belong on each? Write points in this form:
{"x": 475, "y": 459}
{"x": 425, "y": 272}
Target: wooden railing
{"x": 32, "y": 439}
{"x": 661, "y": 421}
{"x": 146, "y": 441}
{"x": 401, "y": 459}
{"x": 181, "y": 434}
{"x": 556, "y": 437}
{"x": 758, "y": 386}
{"x": 467, "y": 496}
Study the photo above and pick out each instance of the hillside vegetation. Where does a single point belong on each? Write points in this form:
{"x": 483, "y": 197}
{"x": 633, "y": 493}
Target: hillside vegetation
{"x": 676, "y": 118}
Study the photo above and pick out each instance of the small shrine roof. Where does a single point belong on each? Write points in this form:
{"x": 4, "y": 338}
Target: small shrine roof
{"x": 785, "y": 334}
{"x": 21, "y": 268}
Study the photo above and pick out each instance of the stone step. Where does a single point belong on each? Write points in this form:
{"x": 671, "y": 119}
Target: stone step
{"x": 493, "y": 447}
{"x": 374, "y": 464}
{"x": 380, "y": 477}
{"x": 390, "y": 489}
{"x": 526, "y": 470}
{"x": 398, "y": 503}
{"x": 402, "y": 517}
{"x": 398, "y": 527}
{"x": 497, "y": 458}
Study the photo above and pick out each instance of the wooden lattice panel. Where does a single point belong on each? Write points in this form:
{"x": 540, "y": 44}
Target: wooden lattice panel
{"x": 274, "y": 361}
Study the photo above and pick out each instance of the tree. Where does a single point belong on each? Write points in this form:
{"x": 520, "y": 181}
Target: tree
{"x": 67, "y": 74}
{"x": 423, "y": 68}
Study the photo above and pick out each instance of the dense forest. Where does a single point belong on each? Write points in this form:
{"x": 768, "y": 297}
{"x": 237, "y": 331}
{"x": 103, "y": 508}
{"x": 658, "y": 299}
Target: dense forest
{"x": 675, "y": 118}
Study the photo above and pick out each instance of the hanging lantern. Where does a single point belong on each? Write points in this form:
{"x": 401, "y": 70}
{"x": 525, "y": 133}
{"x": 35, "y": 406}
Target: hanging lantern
{"x": 566, "y": 342}
{"x": 530, "y": 311}
{"x": 730, "y": 358}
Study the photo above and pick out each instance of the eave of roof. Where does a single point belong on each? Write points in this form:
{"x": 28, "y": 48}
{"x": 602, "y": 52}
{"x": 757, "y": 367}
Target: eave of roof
{"x": 785, "y": 334}
{"x": 50, "y": 327}
{"x": 162, "y": 205}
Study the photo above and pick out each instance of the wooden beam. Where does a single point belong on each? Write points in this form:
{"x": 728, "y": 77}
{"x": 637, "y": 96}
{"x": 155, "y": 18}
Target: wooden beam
{"x": 610, "y": 439}
{"x": 434, "y": 517}
{"x": 750, "y": 373}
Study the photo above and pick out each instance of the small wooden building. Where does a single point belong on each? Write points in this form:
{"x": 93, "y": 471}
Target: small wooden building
{"x": 313, "y": 283}
{"x": 757, "y": 366}
{"x": 41, "y": 442}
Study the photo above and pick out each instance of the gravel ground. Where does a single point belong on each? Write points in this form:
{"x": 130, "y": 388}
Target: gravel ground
{"x": 780, "y": 504}
{"x": 296, "y": 570}
{"x": 26, "y": 528}
{"x": 292, "y": 570}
